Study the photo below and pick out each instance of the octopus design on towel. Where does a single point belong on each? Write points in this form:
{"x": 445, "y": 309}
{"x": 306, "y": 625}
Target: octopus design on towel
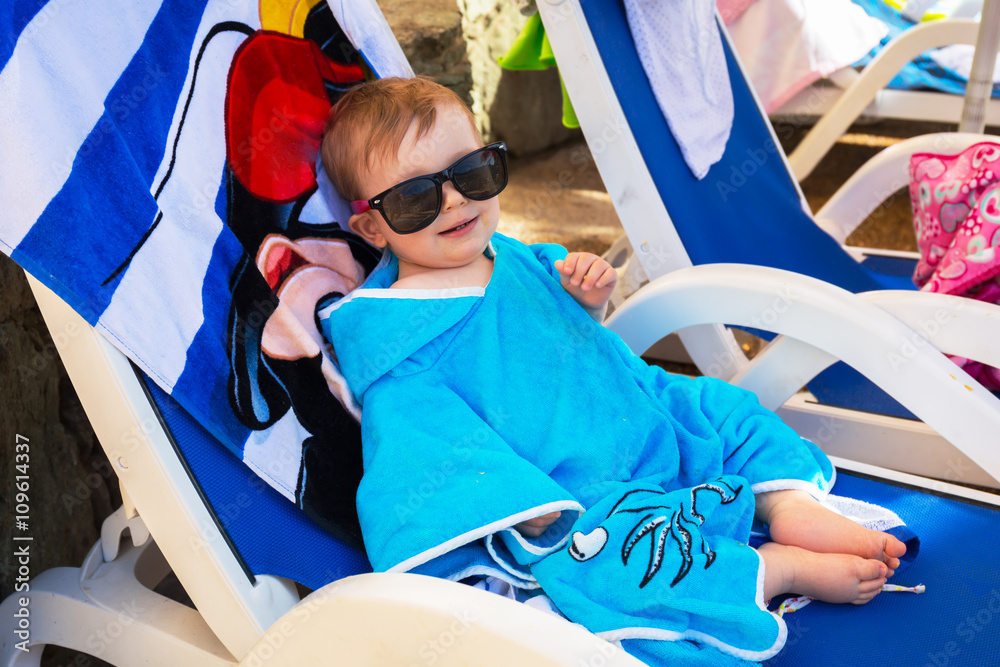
{"x": 658, "y": 527}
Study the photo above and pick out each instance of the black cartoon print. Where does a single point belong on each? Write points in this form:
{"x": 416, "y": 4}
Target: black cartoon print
{"x": 658, "y": 527}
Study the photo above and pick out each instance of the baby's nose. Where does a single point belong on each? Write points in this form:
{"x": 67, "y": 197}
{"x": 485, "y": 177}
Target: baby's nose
{"x": 450, "y": 196}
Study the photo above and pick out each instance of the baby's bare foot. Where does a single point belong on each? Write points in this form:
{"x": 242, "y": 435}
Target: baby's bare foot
{"x": 837, "y": 578}
{"x": 796, "y": 519}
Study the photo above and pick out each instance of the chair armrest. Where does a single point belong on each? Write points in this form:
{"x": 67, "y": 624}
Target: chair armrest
{"x": 951, "y": 324}
{"x": 839, "y": 325}
{"x": 403, "y": 619}
{"x": 874, "y": 77}
{"x": 882, "y": 176}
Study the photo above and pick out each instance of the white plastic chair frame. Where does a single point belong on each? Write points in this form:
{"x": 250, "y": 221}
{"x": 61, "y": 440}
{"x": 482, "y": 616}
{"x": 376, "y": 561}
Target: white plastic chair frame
{"x": 107, "y": 608}
{"x": 820, "y": 324}
{"x": 881, "y": 177}
{"x": 900, "y": 444}
{"x": 866, "y": 95}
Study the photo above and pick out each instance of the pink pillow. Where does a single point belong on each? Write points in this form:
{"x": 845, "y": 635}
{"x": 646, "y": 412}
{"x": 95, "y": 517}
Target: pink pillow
{"x": 956, "y": 214}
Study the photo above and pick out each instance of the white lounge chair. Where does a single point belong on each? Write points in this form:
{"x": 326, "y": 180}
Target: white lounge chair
{"x": 749, "y": 210}
{"x": 847, "y": 95}
{"x": 236, "y": 545}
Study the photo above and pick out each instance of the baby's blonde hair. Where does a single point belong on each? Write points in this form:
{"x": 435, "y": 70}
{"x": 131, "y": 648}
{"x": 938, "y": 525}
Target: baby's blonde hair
{"x": 370, "y": 121}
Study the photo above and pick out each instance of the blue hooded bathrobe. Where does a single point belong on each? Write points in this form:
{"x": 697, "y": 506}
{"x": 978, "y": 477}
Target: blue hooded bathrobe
{"x": 485, "y": 407}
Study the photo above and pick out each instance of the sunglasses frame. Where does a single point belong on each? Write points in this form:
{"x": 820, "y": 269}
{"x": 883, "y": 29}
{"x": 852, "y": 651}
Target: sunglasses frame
{"x": 439, "y": 179}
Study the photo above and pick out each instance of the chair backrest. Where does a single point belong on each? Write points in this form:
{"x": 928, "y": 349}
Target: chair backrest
{"x": 211, "y": 535}
{"x": 748, "y": 209}
{"x": 169, "y": 194}
{"x": 266, "y": 533}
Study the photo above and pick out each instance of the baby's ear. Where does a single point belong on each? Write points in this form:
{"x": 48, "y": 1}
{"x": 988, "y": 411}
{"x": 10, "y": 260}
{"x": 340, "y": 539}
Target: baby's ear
{"x": 366, "y": 226}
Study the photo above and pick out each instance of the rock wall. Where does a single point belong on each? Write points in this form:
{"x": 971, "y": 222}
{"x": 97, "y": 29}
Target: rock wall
{"x": 430, "y": 34}
{"x": 522, "y": 108}
{"x": 457, "y": 43}
{"x": 70, "y": 487}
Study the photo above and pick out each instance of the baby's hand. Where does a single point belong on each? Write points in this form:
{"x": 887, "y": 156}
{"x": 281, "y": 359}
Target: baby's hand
{"x": 535, "y": 527}
{"x": 588, "y": 278}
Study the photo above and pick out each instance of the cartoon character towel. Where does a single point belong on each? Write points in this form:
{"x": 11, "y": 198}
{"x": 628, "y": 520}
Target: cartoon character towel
{"x": 484, "y": 407}
{"x": 956, "y": 214}
{"x": 161, "y": 178}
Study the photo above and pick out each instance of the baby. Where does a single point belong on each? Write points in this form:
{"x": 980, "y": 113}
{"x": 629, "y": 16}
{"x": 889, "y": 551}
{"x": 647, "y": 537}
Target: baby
{"x": 462, "y": 335}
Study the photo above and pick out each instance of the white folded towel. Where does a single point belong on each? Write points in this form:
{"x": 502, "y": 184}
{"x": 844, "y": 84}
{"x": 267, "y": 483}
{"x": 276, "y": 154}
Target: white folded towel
{"x": 680, "y": 48}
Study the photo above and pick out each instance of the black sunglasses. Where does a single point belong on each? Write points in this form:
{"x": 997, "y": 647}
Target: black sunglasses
{"x": 414, "y": 204}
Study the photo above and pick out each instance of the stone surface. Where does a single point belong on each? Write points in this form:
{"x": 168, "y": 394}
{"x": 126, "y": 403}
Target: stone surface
{"x": 430, "y": 35}
{"x": 68, "y": 491}
{"x": 457, "y": 43}
{"x": 522, "y": 108}
{"x": 557, "y": 196}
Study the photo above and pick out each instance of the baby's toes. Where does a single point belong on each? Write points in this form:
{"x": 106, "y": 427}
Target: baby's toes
{"x": 894, "y": 548}
{"x": 871, "y": 586}
{"x": 867, "y": 596}
{"x": 869, "y": 589}
{"x": 869, "y": 569}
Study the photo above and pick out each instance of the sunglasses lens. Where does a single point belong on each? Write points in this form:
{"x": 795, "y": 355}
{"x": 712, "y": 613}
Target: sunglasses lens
{"x": 410, "y": 205}
{"x": 481, "y": 175}
{"x": 414, "y": 204}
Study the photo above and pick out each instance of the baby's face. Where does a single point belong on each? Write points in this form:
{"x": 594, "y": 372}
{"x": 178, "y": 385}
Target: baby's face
{"x": 463, "y": 228}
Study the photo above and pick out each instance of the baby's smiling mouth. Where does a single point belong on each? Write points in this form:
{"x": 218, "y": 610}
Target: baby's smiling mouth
{"x": 459, "y": 227}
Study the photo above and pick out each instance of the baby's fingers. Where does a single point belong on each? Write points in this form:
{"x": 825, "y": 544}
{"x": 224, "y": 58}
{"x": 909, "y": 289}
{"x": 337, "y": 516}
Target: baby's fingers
{"x": 607, "y": 278}
{"x": 598, "y": 274}
{"x": 535, "y": 527}
{"x": 582, "y": 262}
{"x": 567, "y": 266}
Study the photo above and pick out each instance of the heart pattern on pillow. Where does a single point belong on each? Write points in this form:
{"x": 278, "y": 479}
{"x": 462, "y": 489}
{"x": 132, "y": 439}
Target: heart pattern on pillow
{"x": 952, "y": 215}
{"x": 985, "y": 152}
{"x": 990, "y": 207}
{"x": 956, "y": 213}
{"x": 929, "y": 169}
